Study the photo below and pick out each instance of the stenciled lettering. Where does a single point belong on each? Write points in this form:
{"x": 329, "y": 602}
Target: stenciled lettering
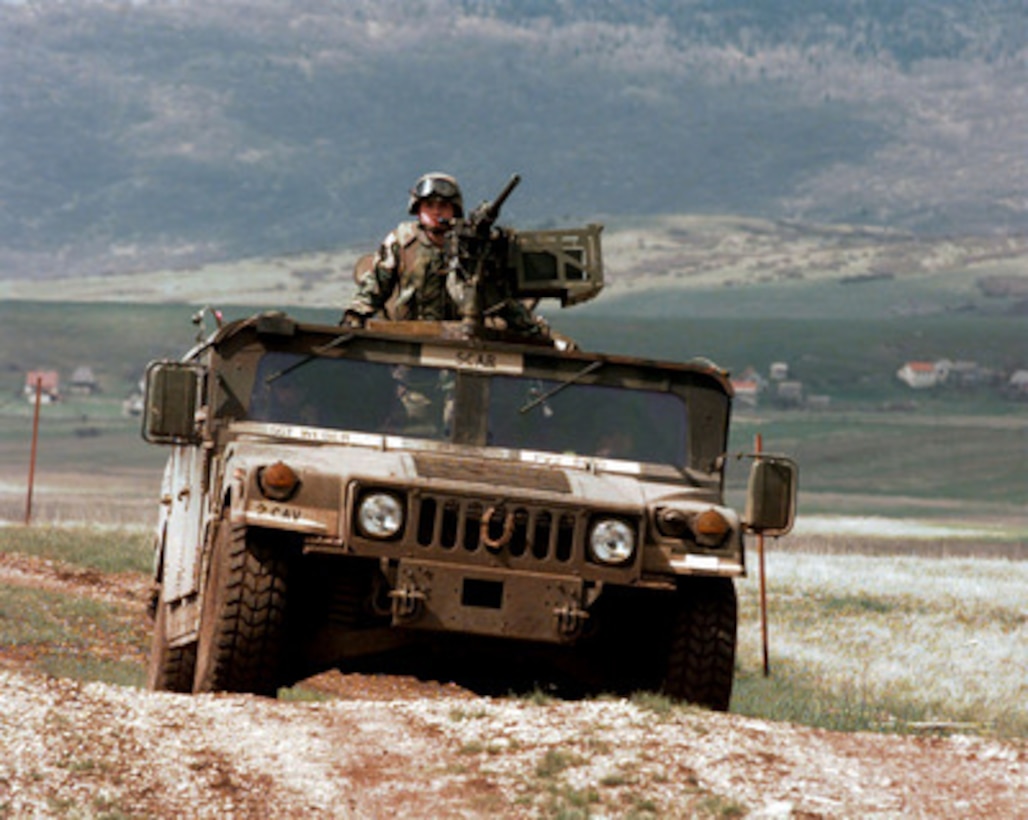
{"x": 277, "y": 511}
{"x": 481, "y": 360}
{"x": 476, "y": 360}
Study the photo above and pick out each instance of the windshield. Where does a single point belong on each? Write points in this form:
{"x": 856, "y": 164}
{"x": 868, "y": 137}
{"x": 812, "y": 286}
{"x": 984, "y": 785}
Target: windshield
{"x": 585, "y": 419}
{"x": 351, "y": 394}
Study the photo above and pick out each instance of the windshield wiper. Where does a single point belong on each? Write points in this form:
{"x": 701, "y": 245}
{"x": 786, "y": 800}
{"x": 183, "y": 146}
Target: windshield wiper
{"x": 549, "y": 394}
{"x": 316, "y": 352}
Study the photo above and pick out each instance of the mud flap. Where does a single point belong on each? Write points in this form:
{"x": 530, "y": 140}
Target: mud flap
{"x": 481, "y": 601}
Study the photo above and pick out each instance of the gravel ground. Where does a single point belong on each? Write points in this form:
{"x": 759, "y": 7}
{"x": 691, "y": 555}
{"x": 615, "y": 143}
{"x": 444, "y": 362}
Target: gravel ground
{"x": 73, "y": 749}
{"x": 389, "y": 746}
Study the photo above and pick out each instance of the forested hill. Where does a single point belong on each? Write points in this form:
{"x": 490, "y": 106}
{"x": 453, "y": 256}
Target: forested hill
{"x": 136, "y": 135}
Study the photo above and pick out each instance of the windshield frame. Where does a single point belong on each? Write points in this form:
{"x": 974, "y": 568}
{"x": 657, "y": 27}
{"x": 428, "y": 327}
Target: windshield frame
{"x": 703, "y": 390}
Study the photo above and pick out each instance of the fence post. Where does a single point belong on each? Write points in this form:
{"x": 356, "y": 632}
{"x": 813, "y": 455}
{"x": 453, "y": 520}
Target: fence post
{"x": 758, "y": 447}
{"x": 32, "y": 457}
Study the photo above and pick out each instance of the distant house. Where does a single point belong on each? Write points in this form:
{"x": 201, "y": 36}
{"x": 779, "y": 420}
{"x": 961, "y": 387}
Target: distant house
{"x": 49, "y": 383}
{"x": 1017, "y": 385}
{"x": 920, "y": 375}
{"x": 133, "y": 405}
{"x": 779, "y": 371}
{"x": 790, "y": 393}
{"x": 970, "y": 374}
{"x": 746, "y": 391}
{"x": 83, "y": 382}
{"x": 751, "y": 374}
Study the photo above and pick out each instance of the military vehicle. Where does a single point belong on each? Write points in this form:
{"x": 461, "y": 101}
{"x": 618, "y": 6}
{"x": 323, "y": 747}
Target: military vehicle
{"x": 334, "y": 495}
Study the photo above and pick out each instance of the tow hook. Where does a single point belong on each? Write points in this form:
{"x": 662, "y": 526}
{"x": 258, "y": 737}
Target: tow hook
{"x": 496, "y": 544}
{"x": 407, "y": 601}
{"x": 570, "y": 619}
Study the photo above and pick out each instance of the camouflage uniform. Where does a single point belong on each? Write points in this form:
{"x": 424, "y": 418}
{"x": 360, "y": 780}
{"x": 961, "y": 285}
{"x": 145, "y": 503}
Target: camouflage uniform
{"x": 409, "y": 274}
{"x": 411, "y": 278}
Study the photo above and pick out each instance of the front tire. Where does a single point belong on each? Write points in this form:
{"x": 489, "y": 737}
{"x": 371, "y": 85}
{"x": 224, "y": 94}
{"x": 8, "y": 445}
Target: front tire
{"x": 243, "y": 620}
{"x": 170, "y": 669}
{"x": 701, "y": 653}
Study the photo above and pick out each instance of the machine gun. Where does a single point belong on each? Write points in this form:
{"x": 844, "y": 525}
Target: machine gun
{"x": 494, "y": 271}
{"x": 477, "y": 256}
{"x": 482, "y": 218}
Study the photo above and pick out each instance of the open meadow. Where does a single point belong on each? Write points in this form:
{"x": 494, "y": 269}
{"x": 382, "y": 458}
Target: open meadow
{"x": 911, "y": 643}
{"x": 914, "y": 644}
{"x": 874, "y": 447}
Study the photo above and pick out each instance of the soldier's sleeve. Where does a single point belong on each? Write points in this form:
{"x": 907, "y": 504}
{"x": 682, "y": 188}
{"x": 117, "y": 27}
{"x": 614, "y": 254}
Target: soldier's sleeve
{"x": 377, "y": 283}
{"x": 518, "y": 317}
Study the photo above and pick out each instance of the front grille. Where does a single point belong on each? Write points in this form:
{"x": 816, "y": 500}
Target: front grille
{"x": 494, "y": 473}
{"x": 534, "y": 534}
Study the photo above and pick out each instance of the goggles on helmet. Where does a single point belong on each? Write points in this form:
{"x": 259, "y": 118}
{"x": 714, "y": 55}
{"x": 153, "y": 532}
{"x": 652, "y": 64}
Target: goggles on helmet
{"x": 435, "y": 186}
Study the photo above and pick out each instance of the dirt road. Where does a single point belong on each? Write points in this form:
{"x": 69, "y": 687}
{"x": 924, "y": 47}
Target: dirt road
{"x": 395, "y": 747}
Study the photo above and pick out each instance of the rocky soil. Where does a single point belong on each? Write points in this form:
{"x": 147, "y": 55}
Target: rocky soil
{"x": 390, "y": 746}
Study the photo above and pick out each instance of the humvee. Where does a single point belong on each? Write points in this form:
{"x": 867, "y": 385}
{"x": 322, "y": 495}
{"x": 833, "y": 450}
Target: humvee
{"x": 334, "y": 495}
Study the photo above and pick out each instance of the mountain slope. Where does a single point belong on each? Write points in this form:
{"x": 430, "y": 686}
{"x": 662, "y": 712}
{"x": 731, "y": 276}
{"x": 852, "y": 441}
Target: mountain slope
{"x": 134, "y": 136}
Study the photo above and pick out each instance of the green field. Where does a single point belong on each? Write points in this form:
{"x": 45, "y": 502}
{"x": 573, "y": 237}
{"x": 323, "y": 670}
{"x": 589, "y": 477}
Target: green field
{"x": 910, "y": 644}
{"x": 895, "y": 643}
{"x": 852, "y": 361}
{"x": 877, "y": 448}
{"x": 976, "y": 464}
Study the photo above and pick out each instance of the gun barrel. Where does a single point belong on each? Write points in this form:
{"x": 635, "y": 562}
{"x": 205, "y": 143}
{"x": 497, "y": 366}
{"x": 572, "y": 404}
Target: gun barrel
{"x": 493, "y": 210}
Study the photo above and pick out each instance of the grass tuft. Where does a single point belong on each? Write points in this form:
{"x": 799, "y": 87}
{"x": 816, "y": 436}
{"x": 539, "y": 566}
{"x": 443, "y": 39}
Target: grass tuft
{"x": 537, "y": 697}
{"x": 106, "y": 550}
{"x": 554, "y": 762}
{"x": 658, "y": 704}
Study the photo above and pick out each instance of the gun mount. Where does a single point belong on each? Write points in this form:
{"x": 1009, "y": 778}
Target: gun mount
{"x": 492, "y": 265}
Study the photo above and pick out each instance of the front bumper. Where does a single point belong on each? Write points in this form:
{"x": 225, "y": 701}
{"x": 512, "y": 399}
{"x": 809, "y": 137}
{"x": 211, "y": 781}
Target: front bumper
{"x": 481, "y": 601}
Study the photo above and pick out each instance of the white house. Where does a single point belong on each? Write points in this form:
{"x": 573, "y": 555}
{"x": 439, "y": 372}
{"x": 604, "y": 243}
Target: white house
{"x": 83, "y": 382}
{"x": 1018, "y": 383}
{"x": 919, "y": 375}
{"x": 790, "y": 393}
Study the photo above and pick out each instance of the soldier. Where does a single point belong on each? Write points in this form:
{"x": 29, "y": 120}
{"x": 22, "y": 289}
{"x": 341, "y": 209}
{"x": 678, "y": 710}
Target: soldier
{"x": 412, "y": 275}
{"x": 412, "y": 263}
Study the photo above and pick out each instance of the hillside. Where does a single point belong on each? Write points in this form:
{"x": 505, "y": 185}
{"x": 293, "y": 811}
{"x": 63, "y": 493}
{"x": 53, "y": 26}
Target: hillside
{"x": 669, "y": 266}
{"x": 174, "y": 133}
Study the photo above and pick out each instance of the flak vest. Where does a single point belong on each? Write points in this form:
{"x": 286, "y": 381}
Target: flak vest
{"x": 421, "y": 278}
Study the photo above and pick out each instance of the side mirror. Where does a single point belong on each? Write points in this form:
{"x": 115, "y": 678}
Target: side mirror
{"x": 170, "y": 405}
{"x": 771, "y": 495}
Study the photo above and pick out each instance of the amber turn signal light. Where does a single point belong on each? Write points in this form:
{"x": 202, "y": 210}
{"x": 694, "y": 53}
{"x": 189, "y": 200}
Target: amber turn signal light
{"x": 277, "y": 481}
{"x": 710, "y": 527}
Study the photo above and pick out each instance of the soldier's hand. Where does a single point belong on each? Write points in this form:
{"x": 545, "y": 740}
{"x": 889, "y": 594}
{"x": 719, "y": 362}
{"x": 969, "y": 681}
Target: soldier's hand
{"x": 352, "y": 320}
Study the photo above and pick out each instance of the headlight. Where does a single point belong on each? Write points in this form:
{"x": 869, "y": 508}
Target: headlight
{"x": 612, "y": 541}
{"x": 380, "y": 515}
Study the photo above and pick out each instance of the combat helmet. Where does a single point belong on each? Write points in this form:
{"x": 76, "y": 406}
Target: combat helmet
{"x": 435, "y": 184}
